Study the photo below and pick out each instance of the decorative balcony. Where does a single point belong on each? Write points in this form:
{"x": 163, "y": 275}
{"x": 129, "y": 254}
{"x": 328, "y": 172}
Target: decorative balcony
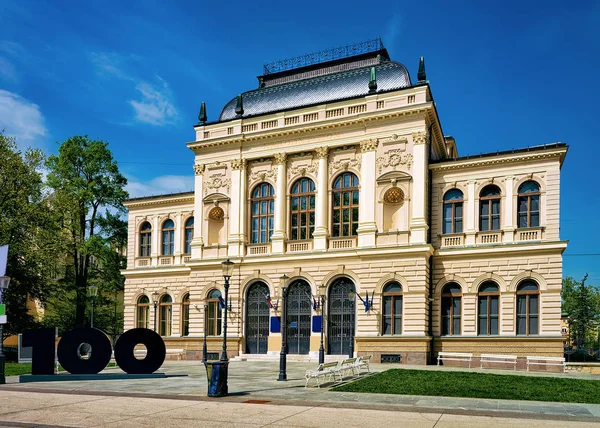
{"x": 529, "y": 234}
{"x": 142, "y": 262}
{"x": 342, "y": 243}
{"x": 453, "y": 240}
{"x": 259, "y": 249}
{"x": 491, "y": 237}
{"x": 299, "y": 246}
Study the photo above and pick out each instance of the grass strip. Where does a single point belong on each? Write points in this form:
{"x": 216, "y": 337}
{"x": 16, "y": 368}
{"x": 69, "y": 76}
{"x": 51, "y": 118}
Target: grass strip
{"x": 477, "y": 385}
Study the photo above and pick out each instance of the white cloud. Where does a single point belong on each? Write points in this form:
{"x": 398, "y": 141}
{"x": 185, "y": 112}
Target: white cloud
{"x": 155, "y": 107}
{"x": 22, "y": 119}
{"x": 160, "y": 185}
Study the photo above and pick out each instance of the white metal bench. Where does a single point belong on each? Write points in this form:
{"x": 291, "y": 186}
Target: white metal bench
{"x": 546, "y": 361}
{"x": 454, "y": 356}
{"x": 347, "y": 365}
{"x": 327, "y": 370}
{"x": 362, "y": 362}
{"x": 496, "y": 358}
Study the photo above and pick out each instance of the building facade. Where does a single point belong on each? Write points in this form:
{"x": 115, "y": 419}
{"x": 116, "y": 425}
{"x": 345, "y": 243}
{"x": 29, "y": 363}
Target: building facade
{"x": 337, "y": 175}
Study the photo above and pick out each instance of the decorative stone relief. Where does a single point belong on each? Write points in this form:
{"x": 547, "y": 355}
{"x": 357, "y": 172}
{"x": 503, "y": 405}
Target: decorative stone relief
{"x": 238, "y": 163}
{"x": 394, "y": 158}
{"x": 368, "y": 145}
{"x": 280, "y": 158}
{"x": 199, "y": 169}
{"x": 343, "y": 164}
{"x": 302, "y": 169}
{"x": 262, "y": 175}
{"x": 419, "y": 138}
{"x": 394, "y": 138}
{"x": 216, "y": 182}
{"x": 322, "y": 152}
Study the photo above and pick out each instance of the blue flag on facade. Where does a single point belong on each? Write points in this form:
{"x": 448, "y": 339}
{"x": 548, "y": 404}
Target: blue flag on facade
{"x": 221, "y": 302}
{"x": 367, "y": 303}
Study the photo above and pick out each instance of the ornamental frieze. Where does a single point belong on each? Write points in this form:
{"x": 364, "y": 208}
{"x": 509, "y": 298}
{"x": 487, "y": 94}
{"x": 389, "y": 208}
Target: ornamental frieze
{"x": 368, "y": 146}
{"x": 302, "y": 169}
{"x": 343, "y": 165}
{"x": 216, "y": 182}
{"x": 419, "y": 138}
{"x": 237, "y": 164}
{"x": 262, "y": 175}
{"x": 394, "y": 158}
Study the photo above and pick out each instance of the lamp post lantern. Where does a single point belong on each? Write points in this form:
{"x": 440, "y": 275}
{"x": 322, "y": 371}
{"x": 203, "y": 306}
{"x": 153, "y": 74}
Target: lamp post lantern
{"x": 155, "y": 302}
{"x": 283, "y": 353}
{"x": 227, "y": 271}
{"x": 4, "y": 281}
{"x": 322, "y": 348}
{"x": 92, "y": 292}
{"x": 204, "y": 351}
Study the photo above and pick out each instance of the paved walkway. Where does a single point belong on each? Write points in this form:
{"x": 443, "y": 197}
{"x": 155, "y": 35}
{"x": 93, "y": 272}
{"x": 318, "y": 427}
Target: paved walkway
{"x": 256, "y": 381}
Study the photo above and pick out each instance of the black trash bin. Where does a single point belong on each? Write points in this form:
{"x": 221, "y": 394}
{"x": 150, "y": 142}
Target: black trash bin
{"x": 216, "y": 374}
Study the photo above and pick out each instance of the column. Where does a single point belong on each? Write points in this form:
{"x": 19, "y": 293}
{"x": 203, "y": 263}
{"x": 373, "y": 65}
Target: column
{"x": 197, "y": 240}
{"x": 235, "y": 240}
{"x": 279, "y": 231}
{"x": 508, "y": 211}
{"x": 367, "y": 227}
{"x": 322, "y": 203}
{"x": 470, "y": 214}
{"x": 155, "y": 241}
{"x": 418, "y": 222}
{"x": 177, "y": 244}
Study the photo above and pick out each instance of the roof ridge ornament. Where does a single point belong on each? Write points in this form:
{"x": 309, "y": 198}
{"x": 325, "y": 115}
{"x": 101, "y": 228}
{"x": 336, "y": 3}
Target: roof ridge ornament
{"x": 202, "y": 114}
{"x": 421, "y": 75}
{"x": 239, "y": 106}
{"x": 372, "y": 82}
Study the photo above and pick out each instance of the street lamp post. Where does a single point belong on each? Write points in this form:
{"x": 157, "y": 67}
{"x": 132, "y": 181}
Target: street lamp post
{"x": 227, "y": 271}
{"x": 352, "y": 298}
{"x": 4, "y": 281}
{"x": 322, "y": 348}
{"x": 93, "y": 292}
{"x": 204, "y": 351}
{"x": 155, "y": 302}
{"x": 283, "y": 353}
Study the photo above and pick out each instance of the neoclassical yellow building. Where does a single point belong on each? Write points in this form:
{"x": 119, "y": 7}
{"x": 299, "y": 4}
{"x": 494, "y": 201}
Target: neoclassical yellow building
{"x": 335, "y": 172}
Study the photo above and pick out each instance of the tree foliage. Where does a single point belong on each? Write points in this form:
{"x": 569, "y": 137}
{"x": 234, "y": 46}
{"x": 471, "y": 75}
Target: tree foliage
{"x": 88, "y": 194}
{"x": 28, "y": 226}
{"x": 581, "y": 302}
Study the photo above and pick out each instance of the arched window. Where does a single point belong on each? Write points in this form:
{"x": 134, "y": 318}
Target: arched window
{"x": 214, "y": 315}
{"x": 529, "y": 204}
{"x": 489, "y": 208}
{"x": 143, "y": 312}
{"x": 168, "y": 237}
{"x": 345, "y": 205}
{"x": 189, "y": 234}
{"x": 263, "y": 207}
{"x": 165, "y": 318}
{"x": 392, "y": 309}
{"x": 145, "y": 239}
{"x": 302, "y": 209}
{"x": 185, "y": 315}
{"x": 451, "y": 295}
{"x": 488, "y": 302}
{"x": 453, "y": 211}
{"x": 528, "y": 302}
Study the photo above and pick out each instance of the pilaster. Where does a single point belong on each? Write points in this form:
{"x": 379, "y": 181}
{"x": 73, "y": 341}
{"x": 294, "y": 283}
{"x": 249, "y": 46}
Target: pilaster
{"x": 236, "y": 238}
{"x": 367, "y": 227}
{"x": 279, "y": 231}
{"x": 418, "y": 223}
{"x": 507, "y": 215}
{"x": 321, "y": 209}
{"x": 197, "y": 240}
{"x": 469, "y": 214}
{"x": 155, "y": 241}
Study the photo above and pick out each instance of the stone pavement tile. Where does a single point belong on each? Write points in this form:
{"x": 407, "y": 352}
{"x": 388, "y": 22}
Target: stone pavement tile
{"x": 164, "y": 421}
{"x": 467, "y": 421}
{"x": 120, "y": 407}
{"x": 59, "y": 416}
{"x": 18, "y": 401}
{"x": 328, "y": 417}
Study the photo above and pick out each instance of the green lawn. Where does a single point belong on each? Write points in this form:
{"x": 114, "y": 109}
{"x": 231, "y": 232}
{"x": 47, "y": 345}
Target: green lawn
{"x": 477, "y": 385}
{"x": 15, "y": 369}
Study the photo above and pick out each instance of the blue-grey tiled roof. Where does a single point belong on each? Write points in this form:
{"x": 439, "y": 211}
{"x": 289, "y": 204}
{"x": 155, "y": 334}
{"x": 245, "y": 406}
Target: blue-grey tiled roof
{"x": 318, "y": 90}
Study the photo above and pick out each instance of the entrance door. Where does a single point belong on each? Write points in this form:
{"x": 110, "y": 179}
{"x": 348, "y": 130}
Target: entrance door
{"x": 257, "y": 319}
{"x": 341, "y": 314}
{"x": 298, "y": 317}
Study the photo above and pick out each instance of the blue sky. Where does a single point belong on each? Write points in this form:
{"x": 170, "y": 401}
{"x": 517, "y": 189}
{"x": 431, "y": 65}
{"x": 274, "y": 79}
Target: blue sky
{"x": 504, "y": 75}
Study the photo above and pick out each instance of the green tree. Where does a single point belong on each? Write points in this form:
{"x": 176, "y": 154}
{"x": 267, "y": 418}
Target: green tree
{"x": 581, "y": 302}
{"x": 28, "y": 226}
{"x": 87, "y": 185}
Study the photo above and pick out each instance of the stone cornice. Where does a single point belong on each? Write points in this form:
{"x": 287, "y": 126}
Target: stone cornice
{"x": 159, "y": 200}
{"x": 497, "y": 160}
{"x": 308, "y": 128}
{"x": 557, "y": 247}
